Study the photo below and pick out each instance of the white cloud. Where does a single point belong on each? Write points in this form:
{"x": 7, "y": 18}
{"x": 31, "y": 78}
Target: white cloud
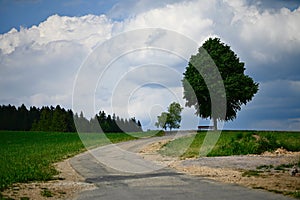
{"x": 187, "y": 18}
{"x": 86, "y": 30}
{"x": 272, "y": 34}
{"x": 39, "y": 64}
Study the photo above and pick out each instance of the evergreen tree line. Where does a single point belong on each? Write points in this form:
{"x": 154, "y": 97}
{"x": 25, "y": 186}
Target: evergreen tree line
{"x": 58, "y": 119}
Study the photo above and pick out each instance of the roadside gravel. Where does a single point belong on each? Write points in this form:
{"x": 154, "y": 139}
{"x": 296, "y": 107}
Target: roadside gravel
{"x": 236, "y": 169}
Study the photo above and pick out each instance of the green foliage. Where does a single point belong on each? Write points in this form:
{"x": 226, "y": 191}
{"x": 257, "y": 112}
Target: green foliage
{"x": 281, "y": 167}
{"x": 20, "y": 118}
{"x": 234, "y": 143}
{"x": 24, "y": 198}
{"x": 296, "y": 194}
{"x": 288, "y": 140}
{"x": 28, "y": 156}
{"x": 60, "y": 120}
{"x": 107, "y": 124}
{"x": 46, "y": 193}
{"x": 178, "y": 147}
{"x": 284, "y": 166}
{"x": 160, "y": 133}
{"x": 162, "y": 120}
{"x": 267, "y": 143}
{"x": 170, "y": 119}
{"x": 248, "y": 144}
{"x": 174, "y": 115}
{"x": 265, "y": 167}
{"x": 200, "y": 75}
{"x": 5, "y": 198}
{"x": 54, "y": 119}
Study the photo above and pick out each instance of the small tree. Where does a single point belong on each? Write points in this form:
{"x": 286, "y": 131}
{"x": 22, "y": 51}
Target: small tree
{"x": 170, "y": 119}
{"x": 162, "y": 120}
{"x": 239, "y": 87}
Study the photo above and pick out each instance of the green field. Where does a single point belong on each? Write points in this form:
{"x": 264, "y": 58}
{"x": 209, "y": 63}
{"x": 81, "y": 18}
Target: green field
{"x": 29, "y": 156}
{"x": 234, "y": 143}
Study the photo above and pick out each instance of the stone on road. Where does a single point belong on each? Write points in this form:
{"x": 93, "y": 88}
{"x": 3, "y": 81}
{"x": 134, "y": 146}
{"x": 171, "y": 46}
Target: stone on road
{"x": 146, "y": 183}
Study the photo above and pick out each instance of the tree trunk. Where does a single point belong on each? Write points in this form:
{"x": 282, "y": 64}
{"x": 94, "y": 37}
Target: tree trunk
{"x": 215, "y": 124}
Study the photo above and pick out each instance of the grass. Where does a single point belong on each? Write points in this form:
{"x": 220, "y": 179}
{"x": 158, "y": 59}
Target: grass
{"x": 251, "y": 173}
{"x": 282, "y": 167}
{"x": 46, "y": 193}
{"x": 296, "y": 194}
{"x": 234, "y": 143}
{"x": 286, "y": 166}
{"x": 29, "y": 156}
{"x": 293, "y": 194}
{"x": 265, "y": 167}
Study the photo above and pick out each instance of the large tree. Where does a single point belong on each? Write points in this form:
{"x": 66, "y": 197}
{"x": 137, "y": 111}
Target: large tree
{"x": 170, "y": 119}
{"x": 215, "y": 59}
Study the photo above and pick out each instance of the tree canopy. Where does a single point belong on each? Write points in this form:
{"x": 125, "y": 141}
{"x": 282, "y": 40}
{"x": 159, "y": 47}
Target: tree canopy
{"x": 239, "y": 88}
{"x": 57, "y": 119}
{"x": 170, "y": 119}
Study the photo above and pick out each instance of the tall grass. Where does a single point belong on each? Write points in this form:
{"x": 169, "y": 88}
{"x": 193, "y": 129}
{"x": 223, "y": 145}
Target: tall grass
{"x": 235, "y": 143}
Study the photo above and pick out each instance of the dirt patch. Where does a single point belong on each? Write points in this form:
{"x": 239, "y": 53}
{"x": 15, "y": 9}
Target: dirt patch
{"x": 154, "y": 147}
{"x": 67, "y": 186}
{"x": 254, "y": 171}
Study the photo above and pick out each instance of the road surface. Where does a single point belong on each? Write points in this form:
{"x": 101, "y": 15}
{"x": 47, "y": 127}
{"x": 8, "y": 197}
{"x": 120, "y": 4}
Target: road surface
{"x": 137, "y": 180}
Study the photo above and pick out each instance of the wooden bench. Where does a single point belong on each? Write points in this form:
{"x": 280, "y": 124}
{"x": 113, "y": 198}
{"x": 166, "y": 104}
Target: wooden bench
{"x": 205, "y": 127}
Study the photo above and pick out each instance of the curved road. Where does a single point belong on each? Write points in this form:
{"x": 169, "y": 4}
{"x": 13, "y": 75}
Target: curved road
{"x": 163, "y": 183}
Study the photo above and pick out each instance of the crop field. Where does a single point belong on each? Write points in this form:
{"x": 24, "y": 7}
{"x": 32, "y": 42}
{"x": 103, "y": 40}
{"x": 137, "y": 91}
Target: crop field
{"x": 234, "y": 143}
{"x": 29, "y": 156}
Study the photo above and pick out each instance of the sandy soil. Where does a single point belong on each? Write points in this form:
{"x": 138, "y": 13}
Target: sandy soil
{"x": 67, "y": 186}
{"x": 231, "y": 169}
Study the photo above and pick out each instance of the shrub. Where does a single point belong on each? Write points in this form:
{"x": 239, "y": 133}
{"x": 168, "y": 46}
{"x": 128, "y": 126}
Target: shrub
{"x": 160, "y": 133}
{"x": 239, "y": 136}
{"x": 267, "y": 143}
{"x": 46, "y": 193}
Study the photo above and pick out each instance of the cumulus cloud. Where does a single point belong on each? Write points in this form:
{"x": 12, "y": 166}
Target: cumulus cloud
{"x": 277, "y": 31}
{"x": 188, "y": 18}
{"x": 38, "y": 65}
{"x": 86, "y": 30}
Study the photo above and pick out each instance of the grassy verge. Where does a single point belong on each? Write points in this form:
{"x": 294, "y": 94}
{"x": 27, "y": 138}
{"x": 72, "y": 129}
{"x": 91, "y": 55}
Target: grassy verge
{"x": 295, "y": 194}
{"x": 28, "y": 156}
{"x": 234, "y": 143}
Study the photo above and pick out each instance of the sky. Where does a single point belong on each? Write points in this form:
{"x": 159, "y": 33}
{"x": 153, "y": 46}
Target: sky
{"x": 48, "y": 47}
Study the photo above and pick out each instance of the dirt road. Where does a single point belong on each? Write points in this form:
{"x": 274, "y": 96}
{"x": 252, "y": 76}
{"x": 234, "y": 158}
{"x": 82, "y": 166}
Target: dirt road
{"x": 151, "y": 181}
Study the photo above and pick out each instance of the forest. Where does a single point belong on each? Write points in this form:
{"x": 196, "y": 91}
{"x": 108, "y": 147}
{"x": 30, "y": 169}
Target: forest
{"x": 57, "y": 119}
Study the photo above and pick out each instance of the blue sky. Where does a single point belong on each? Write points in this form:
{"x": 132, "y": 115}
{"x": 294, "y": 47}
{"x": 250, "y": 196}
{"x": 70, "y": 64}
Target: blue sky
{"x": 32, "y": 12}
{"x": 39, "y": 62}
